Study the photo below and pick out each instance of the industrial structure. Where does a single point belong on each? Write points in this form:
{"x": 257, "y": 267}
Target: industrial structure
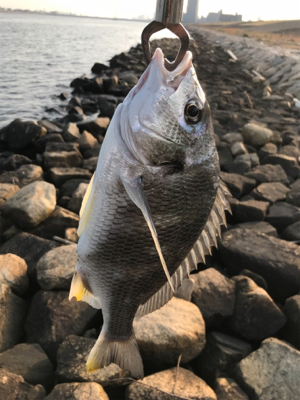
{"x": 220, "y": 17}
{"x": 191, "y": 15}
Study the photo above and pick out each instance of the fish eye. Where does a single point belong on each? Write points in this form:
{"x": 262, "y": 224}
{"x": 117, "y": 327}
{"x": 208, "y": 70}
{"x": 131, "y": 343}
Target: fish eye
{"x": 193, "y": 112}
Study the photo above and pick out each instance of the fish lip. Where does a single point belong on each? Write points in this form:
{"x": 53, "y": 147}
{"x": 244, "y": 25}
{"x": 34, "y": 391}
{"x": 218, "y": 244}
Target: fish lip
{"x": 181, "y": 69}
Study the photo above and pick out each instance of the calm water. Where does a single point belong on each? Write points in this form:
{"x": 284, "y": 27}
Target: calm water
{"x": 40, "y": 55}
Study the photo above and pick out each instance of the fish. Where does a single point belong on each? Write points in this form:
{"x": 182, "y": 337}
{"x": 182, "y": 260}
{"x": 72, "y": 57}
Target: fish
{"x": 153, "y": 209}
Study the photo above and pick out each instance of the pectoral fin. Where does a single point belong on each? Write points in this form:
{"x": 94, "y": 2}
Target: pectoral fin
{"x": 135, "y": 191}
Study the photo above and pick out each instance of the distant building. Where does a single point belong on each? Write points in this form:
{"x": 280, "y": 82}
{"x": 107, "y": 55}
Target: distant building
{"x": 220, "y": 17}
{"x": 191, "y": 15}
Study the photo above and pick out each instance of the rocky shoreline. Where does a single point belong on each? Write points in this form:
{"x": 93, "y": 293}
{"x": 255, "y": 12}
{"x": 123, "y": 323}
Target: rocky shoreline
{"x": 233, "y": 331}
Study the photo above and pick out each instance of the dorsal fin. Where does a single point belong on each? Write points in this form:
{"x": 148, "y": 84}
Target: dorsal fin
{"x": 201, "y": 248}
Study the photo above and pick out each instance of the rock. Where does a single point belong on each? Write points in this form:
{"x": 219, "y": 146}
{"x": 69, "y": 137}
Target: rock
{"x": 71, "y": 133}
{"x": 71, "y": 235}
{"x": 31, "y": 205}
{"x": 93, "y": 152}
{"x": 282, "y": 214}
{"x": 77, "y": 197}
{"x": 296, "y": 184}
{"x": 50, "y": 126}
{"x": 292, "y": 328}
{"x": 259, "y": 280}
{"x": 78, "y": 391}
{"x": 58, "y": 176}
{"x": 232, "y": 138}
{"x": 18, "y": 134}
{"x": 69, "y": 187}
{"x": 13, "y": 272}
{"x": 11, "y": 232}
{"x": 14, "y": 162}
{"x": 63, "y": 96}
{"x": 90, "y": 164}
{"x": 268, "y": 173}
{"x": 185, "y": 290}
{"x": 29, "y": 361}
{"x": 228, "y": 389}
{"x": 270, "y": 192}
{"x": 29, "y": 247}
{"x": 55, "y": 147}
{"x": 256, "y": 135}
{"x": 86, "y": 141}
{"x": 128, "y": 77}
{"x": 220, "y": 354}
{"x": 238, "y": 185}
{"x": 289, "y": 164}
{"x": 13, "y": 387}
{"x": 251, "y": 210}
{"x": 269, "y": 148}
{"x": 177, "y": 328}
{"x": 276, "y": 260}
{"x": 292, "y": 232}
{"x": 56, "y": 268}
{"x": 293, "y": 197}
{"x": 214, "y": 294}
{"x": 290, "y": 151}
{"x": 62, "y": 159}
{"x": 13, "y": 313}
{"x": 255, "y": 316}
{"x": 6, "y": 191}
{"x": 250, "y": 159}
{"x": 238, "y": 148}
{"x": 258, "y": 227}
{"x": 52, "y": 317}
{"x": 271, "y": 372}
{"x": 225, "y": 156}
{"x": 22, "y": 176}
{"x": 170, "y": 385}
{"x": 71, "y": 364}
{"x": 97, "y": 127}
{"x": 98, "y": 68}
{"x": 237, "y": 167}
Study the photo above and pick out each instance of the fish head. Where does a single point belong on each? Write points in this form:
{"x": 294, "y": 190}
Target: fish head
{"x": 166, "y": 116}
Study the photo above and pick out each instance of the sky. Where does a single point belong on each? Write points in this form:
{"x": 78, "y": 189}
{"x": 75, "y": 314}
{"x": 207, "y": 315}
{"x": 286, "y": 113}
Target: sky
{"x": 251, "y": 10}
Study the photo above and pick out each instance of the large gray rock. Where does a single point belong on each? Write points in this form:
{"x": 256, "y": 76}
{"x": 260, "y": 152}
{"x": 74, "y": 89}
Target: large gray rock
{"x": 62, "y": 159}
{"x": 292, "y": 328}
{"x": 271, "y": 372}
{"x": 29, "y": 361}
{"x": 71, "y": 133}
{"x": 13, "y": 313}
{"x": 86, "y": 141}
{"x": 271, "y": 192}
{"x": 251, "y": 210}
{"x": 292, "y": 232}
{"x": 171, "y": 384}
{"x": 31, "y": 205}
{"x": 13, "y": 387}
{"x": 173, "y": 330}
{"x": 214, "y": 294}
{"x": 72, "y": 356}
{"x": 228, "y": 389}
{"x": 258, "y": 227}
{"x": 19, "y": 134}
{"x": 13, "y": 272}
{"x": 219, "y": 356}
{"x": 255, "y": 316}
{"x": 52, "y": 317}
{"x": 78, "y": 391}
{"x": 77, "y": 197}
{"x": 238, "y": 185}
{"x": 256, "y": 135}
{"x": 293, "y": 197}
{"x": 289, "y": 164}
{"x": 6, "y": 191}
{"x": 268, "y": 173}
{"x": 97, "y": 127}
{"x": 282, "y": 214}
{"x": 276, "y": 260}
{"x": 58, "y": 176}
{"x": 29, "y": 247}
{"x": 22, "y": 176}
{"x": 56, "y": 268}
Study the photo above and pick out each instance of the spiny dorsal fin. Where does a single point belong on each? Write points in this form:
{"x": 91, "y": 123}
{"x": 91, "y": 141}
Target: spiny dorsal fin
{"x": 201, "y": 248}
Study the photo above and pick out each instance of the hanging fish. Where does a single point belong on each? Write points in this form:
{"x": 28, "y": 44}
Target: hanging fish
{"x": 152, "y": 210}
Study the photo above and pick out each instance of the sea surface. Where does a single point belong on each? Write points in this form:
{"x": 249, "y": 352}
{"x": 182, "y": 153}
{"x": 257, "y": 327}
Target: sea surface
{"x": 41, "y": 54}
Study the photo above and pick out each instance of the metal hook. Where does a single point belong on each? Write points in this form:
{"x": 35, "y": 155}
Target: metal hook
{"x": 168, "y": 15}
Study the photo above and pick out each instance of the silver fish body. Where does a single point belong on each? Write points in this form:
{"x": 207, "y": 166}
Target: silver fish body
{"x": 155, "y": 167}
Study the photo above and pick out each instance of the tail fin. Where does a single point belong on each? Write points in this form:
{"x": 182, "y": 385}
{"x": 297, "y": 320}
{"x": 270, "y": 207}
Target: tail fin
{"x": 123, "y": 353}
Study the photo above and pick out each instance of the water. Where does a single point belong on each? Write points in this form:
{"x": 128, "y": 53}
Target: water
{"x": 41, "y": 54}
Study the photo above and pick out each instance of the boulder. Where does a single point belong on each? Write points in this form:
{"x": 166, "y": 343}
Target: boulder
{"x": 251, "y": 159}
{"x": 99, "y": 68}
{"x": 6, "y": 191}
{"x": 255, "y": 316}
{"x": 293, "y": 197}
{"x": 259, "y": 280}
{"x": 173, "y": 330}
{"x": 71, "y": 235}
{"x": 292, "y": 232}
{"x": 269, "y": 148}
{"x": 171, "y": 384}
{"x": 29, "y": 247}
{"x": 270, "y": 192}
{"x": 29, "y": 361}
{"x": 90, "y": 163}
{"x": 258, "y": 227}
{"x": 18, "y": 134}
{"x": 50, "y": 126}
{"x": 13, "y": 387}
{"x": 289, "y": 164}
{"x": 78, "y": 391}
{"x": 238, "y": 148}
{"x": 232, "y": 138}
{"x": 71, "y": 133}
{"x": 282, "y": 214}
{"x": 13, "y": 272}
{"x": 22, "y": 176}
{"x": 71, "y": 364}
{"x": 69, "y": 187}
{"x": 58, "y": 176}
{"x": 292, "y": 328}
{"x": 220, "y": 355}
{"x": 41, "y": 143}
{"x": 86, "y": 141}
{"x": 237, "y": 184}
{"x": 251, "y": 210}
{"x": 276, "y": 260}
{"x": 62, "y": 159}
{"x": 256, "y": 135}
{"x": 77, "y": 197}
{"x": 56, "y": 268}
{"x": 14, "y": 162}
{"x": 214, "y": 294}
{"x": 52, "y": 317}
{"x": 97, "y": 127}
{"x": 228, "y": 389}
{"x": 13, "y": 313}
{"x": 93, "y": 152}
{"x": 185, "y": 290}
{"x": 290, "y": 151}
{"x": 31, "y": 205}
{"x": 271, "y": 372}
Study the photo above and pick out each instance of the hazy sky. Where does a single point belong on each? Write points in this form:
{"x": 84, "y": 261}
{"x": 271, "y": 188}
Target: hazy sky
{"x": 254, "y": 9}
